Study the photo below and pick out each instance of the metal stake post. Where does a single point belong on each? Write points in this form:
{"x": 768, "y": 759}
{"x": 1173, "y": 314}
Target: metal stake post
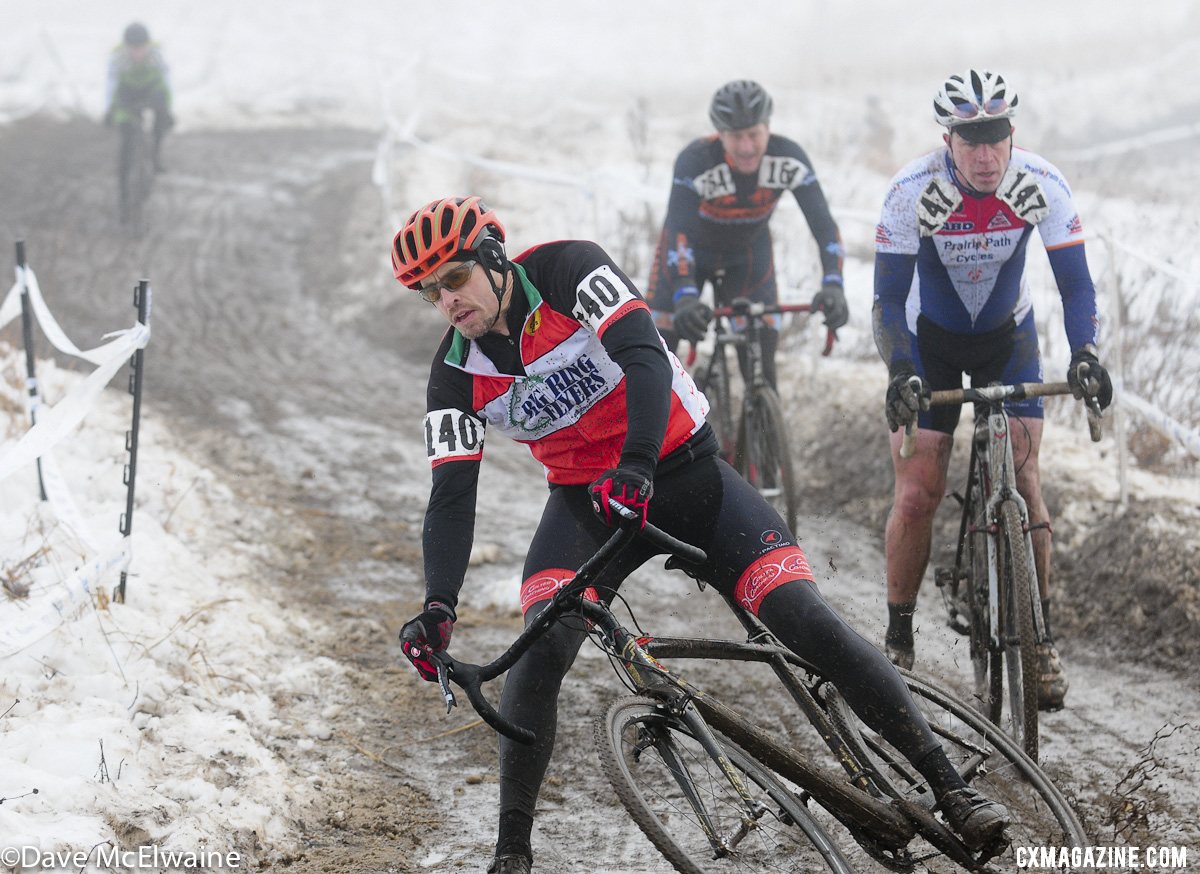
{"x": 31, "y": 382}
{"x": 141, "y": 300}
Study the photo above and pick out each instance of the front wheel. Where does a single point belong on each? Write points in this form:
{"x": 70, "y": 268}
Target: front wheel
{"x": 1021, "y": 649}
{"x": 690, "y": 809}
{"x": 764, "y": 455}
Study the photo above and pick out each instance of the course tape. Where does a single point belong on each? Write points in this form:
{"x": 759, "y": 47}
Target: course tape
{"x": 1188, "y": 438}
{"x": 54, "y": 423}
{"x": 66, "y": 511}
{"x": 24, "y": 623}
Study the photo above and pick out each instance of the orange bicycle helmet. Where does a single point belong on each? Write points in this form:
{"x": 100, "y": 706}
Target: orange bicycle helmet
{"x": 437, "y": 232}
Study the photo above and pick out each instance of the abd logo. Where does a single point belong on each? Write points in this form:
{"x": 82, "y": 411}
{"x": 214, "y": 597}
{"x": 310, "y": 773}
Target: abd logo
{"x": 771, "y": 538}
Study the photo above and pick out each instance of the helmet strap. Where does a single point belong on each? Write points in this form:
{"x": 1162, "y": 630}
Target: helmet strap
{"x": 498, "y": 289}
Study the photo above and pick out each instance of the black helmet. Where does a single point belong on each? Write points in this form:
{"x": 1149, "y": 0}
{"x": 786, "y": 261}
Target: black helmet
{"x": 739, "y": 104}
{"x": 136, "y": 34}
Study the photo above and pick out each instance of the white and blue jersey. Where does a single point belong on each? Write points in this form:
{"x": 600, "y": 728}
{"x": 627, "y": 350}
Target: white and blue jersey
{"x": 959, "y": 259}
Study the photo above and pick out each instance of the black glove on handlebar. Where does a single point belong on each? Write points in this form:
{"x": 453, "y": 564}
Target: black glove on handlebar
{"x": 428, "y": 633}
{"x": 905, "y": 398}
{"x": 1088, "y": 378}
{"x": 626, "y": 486}
{"x": 692, "y": 318}
{"x": 831, "y": 300}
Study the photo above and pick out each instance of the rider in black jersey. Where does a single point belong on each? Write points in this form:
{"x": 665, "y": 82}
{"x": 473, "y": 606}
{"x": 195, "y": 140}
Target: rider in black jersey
{"x": 724, "y": 190}
{"x": 556, "y": 348}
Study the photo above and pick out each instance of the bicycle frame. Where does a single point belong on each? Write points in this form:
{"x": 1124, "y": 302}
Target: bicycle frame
{"x": 878, "y": 818}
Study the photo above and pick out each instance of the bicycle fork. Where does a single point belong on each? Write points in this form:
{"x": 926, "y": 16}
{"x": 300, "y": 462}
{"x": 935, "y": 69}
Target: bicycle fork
{"x": 650, "y": 677}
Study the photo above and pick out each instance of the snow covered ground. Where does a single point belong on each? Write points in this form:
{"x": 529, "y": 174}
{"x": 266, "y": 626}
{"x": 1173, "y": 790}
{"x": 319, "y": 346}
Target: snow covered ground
{"x": 161, "y": 721}
{"x": 152, "y": 721}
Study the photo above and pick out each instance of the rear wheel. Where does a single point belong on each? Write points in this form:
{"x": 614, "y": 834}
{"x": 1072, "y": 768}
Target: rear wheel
{"x": 1022, "y": 638}
{"x": 135, "y": 173}
{"x": 679, "y": 796}
{"x": 987, "y": 661}
{"x": 764, "y": 454}
{"x": 987, "y": 759}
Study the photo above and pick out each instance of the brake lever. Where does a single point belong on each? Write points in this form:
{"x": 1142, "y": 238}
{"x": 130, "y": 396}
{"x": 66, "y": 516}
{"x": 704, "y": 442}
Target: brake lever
{"x": 443, "y": 676}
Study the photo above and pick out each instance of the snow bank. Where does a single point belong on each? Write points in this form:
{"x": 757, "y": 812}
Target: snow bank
{"x": 153, "y": 721}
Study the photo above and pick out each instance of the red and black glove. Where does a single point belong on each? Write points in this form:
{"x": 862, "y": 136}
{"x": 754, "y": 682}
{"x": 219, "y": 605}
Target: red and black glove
{"x": 627, "y": 487}
{"x": 427, "y": 633}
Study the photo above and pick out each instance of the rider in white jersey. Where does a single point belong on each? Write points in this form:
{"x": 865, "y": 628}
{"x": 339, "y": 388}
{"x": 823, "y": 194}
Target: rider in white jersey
{"x": 951, "y": 298}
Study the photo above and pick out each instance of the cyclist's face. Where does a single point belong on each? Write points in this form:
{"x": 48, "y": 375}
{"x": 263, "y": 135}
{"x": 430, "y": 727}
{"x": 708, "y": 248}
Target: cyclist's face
{"x": 138, "y": 54}
{"x": 471, "y": 307}
{"x": 745, "y": 147}
{"x": 981, "y": 165}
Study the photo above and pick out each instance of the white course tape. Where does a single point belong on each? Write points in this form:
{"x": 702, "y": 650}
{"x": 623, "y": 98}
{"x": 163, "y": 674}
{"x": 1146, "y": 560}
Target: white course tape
{"x": 66, "y": 511}
{"x": 1188, "y": 438}
{"x": 11, "y": 308}
{"x": 56, "y": 422}
{"x": 58, "y": 339}
{"x": 24, "y": 623}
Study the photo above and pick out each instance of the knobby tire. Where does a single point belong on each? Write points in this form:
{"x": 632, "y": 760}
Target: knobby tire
{"x": 1022, "y": 652}
{"x": 988, "y": 662}
{"x": 764, "y": 455}
{"x": 989, "y": 760}
{"x": 637, "y": 739}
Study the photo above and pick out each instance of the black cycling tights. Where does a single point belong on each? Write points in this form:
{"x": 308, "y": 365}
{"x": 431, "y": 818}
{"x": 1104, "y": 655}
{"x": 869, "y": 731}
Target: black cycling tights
{"x": 795, "y": 612}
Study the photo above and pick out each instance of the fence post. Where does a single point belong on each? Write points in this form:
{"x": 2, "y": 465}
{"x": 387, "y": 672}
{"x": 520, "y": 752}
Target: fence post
{"x": 141, "y": 300}
{"x": 35, "y": 399}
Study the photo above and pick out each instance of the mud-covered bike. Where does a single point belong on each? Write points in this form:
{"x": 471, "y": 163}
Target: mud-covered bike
{"x": 754, "y": 438}
{"x": 991, "y": 591}
{"x": 715, "y": 791}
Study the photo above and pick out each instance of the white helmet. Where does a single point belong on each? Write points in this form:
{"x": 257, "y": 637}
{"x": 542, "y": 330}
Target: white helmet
{"x": 976, "y": 97}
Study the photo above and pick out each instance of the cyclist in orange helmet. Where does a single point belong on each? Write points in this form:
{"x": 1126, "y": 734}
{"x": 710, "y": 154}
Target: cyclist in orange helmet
{"x": 557, "y": 349}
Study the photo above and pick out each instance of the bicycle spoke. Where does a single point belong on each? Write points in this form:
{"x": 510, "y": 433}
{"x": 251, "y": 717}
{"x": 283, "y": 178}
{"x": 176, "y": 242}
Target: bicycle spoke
{"x": 682, "y": 799}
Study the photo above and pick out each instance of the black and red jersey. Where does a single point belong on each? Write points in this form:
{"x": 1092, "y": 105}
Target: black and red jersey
{"x": 583, "y": 378}
{"x": 714, "y": 209}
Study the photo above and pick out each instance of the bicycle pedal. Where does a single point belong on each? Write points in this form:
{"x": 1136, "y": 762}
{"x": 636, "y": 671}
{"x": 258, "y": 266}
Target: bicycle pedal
{"x": 959, "y": 623}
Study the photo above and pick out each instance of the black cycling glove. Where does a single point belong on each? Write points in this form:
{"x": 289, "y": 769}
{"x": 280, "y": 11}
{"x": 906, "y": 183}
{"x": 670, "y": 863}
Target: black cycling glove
{"x": 692, "y": 318}
{"x": 907, "y": 395}
{"x": 831, "y": 300}
{"x": 1088, "y": 378}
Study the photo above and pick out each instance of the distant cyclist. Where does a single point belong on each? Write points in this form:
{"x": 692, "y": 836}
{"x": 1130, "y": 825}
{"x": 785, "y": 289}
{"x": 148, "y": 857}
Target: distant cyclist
{"x": 724, "y": 190}
{"x": 138, "y": 80}
{"x": 951, "y": 298}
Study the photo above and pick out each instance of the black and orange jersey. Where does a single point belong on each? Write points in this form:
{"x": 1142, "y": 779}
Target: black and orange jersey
{"x": 717, "y": 211}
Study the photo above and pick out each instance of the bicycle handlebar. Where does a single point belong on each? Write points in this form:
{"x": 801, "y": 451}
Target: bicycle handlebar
{"x": 994, "y": 394}
{"x": 758, "y": 310}
{"x": 471, "y": 677}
